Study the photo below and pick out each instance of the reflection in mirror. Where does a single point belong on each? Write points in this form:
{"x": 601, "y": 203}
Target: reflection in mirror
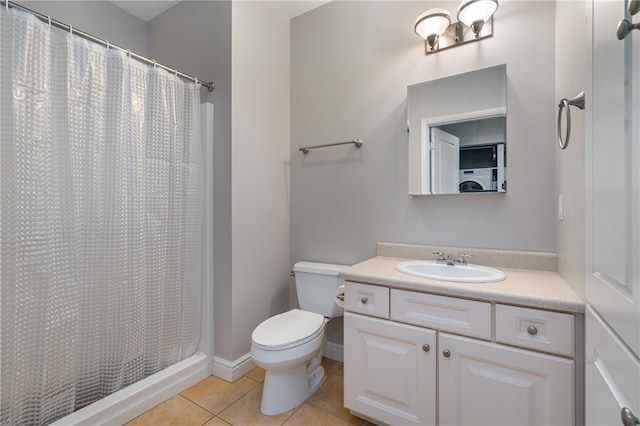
{"x": 457, "y": 134}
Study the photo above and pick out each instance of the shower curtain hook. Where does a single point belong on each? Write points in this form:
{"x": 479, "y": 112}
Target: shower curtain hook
{"x": 49, "y": 18}
{"x": 129, "y": 53}
{"x": 70, "y": 30}
{"x": 195, "y": 80}
{"x": 107, "y": 45}
{"x": 155, "y": 65}
{"x": 6, "y": 4}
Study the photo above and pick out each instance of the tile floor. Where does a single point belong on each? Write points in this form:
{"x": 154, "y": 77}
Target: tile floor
{"x": 214, "y": 401}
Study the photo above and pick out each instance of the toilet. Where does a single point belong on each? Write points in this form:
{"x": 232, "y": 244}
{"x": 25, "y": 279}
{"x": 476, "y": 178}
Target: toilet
{"x": 289, "y": 345}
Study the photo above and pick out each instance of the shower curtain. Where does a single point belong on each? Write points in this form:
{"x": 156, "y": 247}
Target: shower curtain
{"x": 100, "y": 220}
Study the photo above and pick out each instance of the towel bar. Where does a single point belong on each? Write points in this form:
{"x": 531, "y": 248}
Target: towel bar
{"x": 357, "y": 142}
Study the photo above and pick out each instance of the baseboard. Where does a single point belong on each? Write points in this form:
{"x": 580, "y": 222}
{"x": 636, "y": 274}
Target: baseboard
{"x": 232, "y": 370}
{"x": 334, "y": 351}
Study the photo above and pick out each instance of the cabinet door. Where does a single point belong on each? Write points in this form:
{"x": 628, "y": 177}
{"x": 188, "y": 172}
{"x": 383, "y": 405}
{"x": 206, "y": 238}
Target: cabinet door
{"x": 482, "y": 383}
{"x": 612, "y": 169}
{"x": 389, "y": 370}
{"x": 612, "y": 374}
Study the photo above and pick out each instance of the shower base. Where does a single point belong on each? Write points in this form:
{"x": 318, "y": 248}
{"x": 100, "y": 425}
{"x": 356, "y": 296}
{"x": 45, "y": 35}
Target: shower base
{"x": 130, "y": 402}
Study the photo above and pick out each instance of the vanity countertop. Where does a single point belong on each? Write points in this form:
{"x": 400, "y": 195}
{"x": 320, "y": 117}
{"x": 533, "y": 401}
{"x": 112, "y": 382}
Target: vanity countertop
{"x": 524, "y": 287}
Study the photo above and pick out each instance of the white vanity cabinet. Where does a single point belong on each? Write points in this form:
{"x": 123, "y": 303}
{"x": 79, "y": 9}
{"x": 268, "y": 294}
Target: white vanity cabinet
{"x": 430, "y": 359}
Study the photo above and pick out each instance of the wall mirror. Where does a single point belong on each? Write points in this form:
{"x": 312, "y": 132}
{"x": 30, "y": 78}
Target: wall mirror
{"x": 457, "y": 133}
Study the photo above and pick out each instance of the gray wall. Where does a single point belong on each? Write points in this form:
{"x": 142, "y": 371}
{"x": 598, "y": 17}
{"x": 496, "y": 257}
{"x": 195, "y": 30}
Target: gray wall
{"x": 351, "y": 64}
{"x": 571, "y": 78}
{"x": 260, "y": 167}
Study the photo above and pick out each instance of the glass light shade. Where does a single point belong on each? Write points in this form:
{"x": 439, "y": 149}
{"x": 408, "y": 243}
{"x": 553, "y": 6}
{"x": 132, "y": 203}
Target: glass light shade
{"x": 471, "y": 11}
{"x": 432, "y": 22}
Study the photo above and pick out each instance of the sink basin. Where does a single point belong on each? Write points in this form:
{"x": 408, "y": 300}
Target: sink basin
{"x": 457, "y": 273}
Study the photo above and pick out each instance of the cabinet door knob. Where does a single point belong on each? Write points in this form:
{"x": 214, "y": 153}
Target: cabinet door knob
{"x": 426, "y": 347}
{"x": 446, "y": 353}
{"x": 532, "y": 330}
{"x": 628, "y": 418}
{"x": 364, "y": 300}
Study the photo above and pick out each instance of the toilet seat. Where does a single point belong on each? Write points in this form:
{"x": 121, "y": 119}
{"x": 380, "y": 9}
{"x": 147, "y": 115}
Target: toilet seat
{"x": 287, "y": 330}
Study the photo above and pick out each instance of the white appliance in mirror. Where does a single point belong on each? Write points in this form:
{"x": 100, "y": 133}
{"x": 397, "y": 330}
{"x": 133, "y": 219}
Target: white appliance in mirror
{"x": 457, "y": 133}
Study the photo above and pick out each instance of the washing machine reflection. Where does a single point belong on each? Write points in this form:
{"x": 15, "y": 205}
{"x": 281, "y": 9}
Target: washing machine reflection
{"x": 483, "y": 169}
{"x": 477, "y": 180}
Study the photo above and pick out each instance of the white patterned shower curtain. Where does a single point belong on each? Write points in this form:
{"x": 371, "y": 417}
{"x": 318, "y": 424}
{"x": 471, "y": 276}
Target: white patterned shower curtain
{"x": 100, "y": 220}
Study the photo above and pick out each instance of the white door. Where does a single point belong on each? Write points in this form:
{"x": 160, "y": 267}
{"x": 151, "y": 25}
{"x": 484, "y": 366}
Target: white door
{"x": 612, "y": 167}
{"x": 445, "y": 162}
{"x": 389, "y": 370}
{"x": 613, "y": 218}
{"x": 483, "y": 383}
{"x": 612, "y": 374}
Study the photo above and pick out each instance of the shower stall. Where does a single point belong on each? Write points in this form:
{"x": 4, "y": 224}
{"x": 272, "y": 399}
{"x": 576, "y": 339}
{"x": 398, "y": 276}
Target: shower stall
{"x": 145, "y": 394}
{"x": 106, "y": 236}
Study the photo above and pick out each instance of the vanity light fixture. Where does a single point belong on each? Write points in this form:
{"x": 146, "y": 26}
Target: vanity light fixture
{"x": 475, "y": 22}
{"x": 431, "y": 24}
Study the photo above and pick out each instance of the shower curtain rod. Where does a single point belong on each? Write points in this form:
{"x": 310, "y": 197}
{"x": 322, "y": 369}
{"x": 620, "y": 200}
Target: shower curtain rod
{"x": 6, "y": 3}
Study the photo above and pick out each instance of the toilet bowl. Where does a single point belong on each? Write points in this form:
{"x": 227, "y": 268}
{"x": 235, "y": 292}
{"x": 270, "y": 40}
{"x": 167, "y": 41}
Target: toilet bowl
{"x": 289, "y": 345}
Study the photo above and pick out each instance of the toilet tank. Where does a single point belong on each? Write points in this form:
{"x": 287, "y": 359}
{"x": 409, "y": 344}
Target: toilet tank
{"x": 316, "y": 285}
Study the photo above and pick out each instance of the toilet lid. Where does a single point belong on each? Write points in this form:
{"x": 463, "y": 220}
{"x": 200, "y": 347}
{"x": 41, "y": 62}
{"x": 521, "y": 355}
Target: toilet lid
{"x": 288, "y": 329}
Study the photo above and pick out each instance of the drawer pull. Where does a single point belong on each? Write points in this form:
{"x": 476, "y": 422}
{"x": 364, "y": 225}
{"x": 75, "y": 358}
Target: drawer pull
{"x": 446, "y": 353}
{"x": 364, "y": 300}
{"x": 426, "y": 348}
{"x": 532, "y": 330}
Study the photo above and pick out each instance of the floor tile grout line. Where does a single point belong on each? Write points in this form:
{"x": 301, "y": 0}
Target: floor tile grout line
{"x": 295, "y": 409}
{"x": 193, "y": 402}
{"x": 291, "y": 415}
{"x": 226, "y": 406}
{"x": 308, "y": 402}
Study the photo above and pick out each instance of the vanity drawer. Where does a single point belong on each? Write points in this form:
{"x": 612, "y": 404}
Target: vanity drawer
{"x": 536, "y": 329}
{"x": 460, "y": 316}
{"x": 366, "y": 299}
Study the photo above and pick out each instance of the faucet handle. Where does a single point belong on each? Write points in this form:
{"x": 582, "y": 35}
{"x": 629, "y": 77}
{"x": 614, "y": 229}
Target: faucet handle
{"x": 462, "y": 258}
{"x": 439, "y": 254}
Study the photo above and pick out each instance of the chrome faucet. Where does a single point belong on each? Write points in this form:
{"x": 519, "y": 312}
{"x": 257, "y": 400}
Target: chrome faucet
{"x": 447, "y": 259}
{"x": 441, "y": 258}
